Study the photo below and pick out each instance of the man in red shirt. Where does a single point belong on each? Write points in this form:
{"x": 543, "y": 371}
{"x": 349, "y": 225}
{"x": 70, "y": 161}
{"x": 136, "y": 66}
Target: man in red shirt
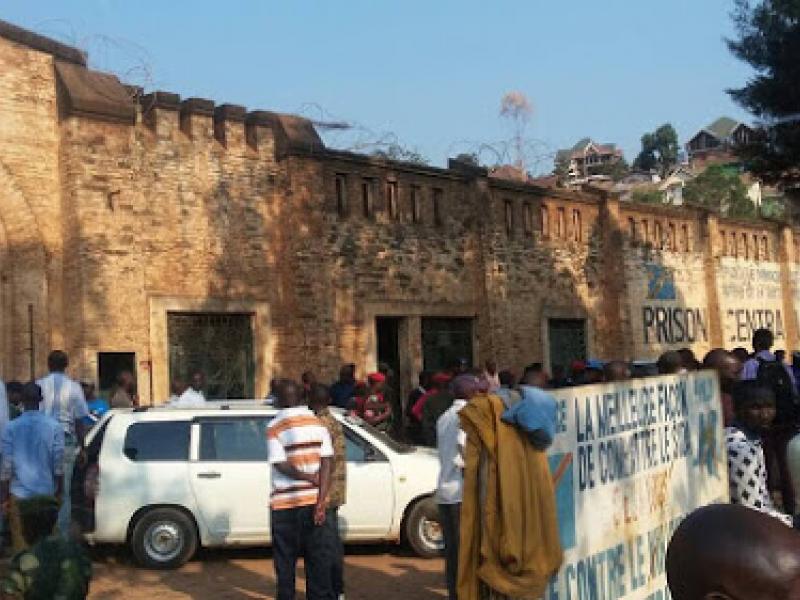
{"x": 373, "y": 407}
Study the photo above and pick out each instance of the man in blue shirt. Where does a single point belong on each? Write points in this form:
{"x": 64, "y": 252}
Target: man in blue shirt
{"x": 343, "y": 391}
{"x": 33, "y": 459}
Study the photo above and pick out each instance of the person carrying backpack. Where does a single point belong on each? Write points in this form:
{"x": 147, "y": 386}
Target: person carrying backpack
{"x": 771, "y": 373}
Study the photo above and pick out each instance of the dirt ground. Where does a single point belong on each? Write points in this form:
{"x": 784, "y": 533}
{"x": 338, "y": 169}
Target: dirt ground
{"x": 371, "y": 572}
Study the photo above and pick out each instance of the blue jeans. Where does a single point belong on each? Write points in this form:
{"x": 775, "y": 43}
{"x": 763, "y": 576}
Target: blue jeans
{"x": 65, "y": 512}
{"x": 294, "y": 535}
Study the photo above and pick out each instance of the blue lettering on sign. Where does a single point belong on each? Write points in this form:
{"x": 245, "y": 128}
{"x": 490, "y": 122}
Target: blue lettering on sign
{"x": 703, "y": 390}
{"x": 660, "y": 283}
{"x": 601, "y": 575}
{"x": 707, "y": 442}
{"x": 561, "y": 467}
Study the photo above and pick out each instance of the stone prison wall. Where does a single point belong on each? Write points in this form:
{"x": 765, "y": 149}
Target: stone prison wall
{"x": 124, "y": 215}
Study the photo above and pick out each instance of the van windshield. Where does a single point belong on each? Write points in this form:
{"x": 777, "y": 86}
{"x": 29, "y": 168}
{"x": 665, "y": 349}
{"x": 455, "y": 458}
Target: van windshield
{"x": 398, "y": 447}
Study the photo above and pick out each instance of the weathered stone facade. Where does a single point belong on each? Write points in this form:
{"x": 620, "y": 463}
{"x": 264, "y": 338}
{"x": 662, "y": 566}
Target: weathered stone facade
{"x": 118, "y": 209}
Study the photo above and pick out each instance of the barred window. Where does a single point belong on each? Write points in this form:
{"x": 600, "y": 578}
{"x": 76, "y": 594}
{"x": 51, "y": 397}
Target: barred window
{"x": 391, "y": 199}
{"x": 509, "y": 217}
{"x": 341, "y": 195}
{"x": 527, "y": 218}
{"x": 367, "y": 198}
{"x": 545, "y": 225}
{"x": 416, "y": 207}
{"x": 438, "y": 199}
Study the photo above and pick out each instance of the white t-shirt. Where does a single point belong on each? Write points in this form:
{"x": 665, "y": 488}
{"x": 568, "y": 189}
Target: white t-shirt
{"x": 191, "y": 398}
{"x": 793, "y": 459}
{"x": 63, "y": 400}
{"x": 450, "y": 441}
{"x": 3, "y": 407}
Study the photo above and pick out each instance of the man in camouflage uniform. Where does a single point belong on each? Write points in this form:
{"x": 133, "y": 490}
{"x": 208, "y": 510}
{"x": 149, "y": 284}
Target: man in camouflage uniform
{"x": 53, "y": 568}
{"x": 319, "y": 401}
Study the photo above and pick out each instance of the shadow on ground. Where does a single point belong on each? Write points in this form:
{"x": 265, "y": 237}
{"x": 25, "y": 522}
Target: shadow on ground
{"x": 385, "y": 572}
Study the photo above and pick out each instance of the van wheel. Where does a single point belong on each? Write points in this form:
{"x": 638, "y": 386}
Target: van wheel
{"x": 423, "y": 532}
{"x": 164, "y": 538}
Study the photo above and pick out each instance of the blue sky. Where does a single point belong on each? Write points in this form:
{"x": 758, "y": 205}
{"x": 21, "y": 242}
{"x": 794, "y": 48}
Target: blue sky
{"x": 431, "y": 72}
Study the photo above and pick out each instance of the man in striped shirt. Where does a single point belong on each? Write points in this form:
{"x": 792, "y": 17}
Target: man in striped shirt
{"x": 300, "y": 452}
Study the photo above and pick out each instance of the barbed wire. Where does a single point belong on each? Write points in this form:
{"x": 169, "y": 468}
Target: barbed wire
{"x": 133, "y": 65}
{"x": 129, "y": 61}
{"x": 350, "y": 135}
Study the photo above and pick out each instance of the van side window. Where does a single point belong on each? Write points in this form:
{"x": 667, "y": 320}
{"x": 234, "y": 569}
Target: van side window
{"x": 157, "y": 441}
{"x": 234, "y": 440}
{"x": 358, "y": 450}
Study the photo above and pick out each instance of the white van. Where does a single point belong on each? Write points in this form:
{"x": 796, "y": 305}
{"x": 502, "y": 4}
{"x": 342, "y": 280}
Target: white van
{"x": 166, "y": 481}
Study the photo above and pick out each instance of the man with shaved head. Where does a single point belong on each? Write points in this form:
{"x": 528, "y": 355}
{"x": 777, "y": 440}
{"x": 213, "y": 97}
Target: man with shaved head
{"x": 729, "y": 370}
{"x": 616, "y": 370}
{"x": 534, "y": 375}
{"x": 670, "y": 363}
{"x": 728, "y": 552}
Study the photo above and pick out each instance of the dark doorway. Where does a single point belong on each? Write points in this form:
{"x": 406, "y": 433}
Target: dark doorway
{"x": 445, "y": 341}
{"x": 111, "y": 364}
{"x": 387, "y": 331}
{"x": 567, "y": 339}
{"x": 218, "y": 344}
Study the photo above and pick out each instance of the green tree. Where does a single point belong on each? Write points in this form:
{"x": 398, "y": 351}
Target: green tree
{"x": 648, "y": 196}
{"x": 659, "y": 151}
{"x": 616, "y": 169}
{"x": 768, "y": 39}
{"x": 773, "y": 207}
{"x": 561, "y": 169}
{"x": 719, "y": 188}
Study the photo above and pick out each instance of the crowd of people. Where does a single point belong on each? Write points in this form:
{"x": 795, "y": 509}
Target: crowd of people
{"x": 759, "y": 396}
{"x": 43, "y": 425}
{"x": 42, "y": 430}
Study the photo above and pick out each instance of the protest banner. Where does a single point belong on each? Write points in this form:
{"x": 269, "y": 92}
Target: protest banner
{"x": 630, "y": 460}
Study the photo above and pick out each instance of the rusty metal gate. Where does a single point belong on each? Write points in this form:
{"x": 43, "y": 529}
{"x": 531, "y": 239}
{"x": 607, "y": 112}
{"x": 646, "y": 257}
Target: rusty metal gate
{"x": 218, "y": 344}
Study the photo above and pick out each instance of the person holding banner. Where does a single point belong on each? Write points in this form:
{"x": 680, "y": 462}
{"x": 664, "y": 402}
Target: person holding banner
{"x": 509, "y": 537}
{"x": 747, "y": 469}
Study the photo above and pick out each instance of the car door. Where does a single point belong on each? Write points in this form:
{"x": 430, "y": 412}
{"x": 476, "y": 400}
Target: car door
{"x": 370, "y": 490}
{"x": 230, "y": 478}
